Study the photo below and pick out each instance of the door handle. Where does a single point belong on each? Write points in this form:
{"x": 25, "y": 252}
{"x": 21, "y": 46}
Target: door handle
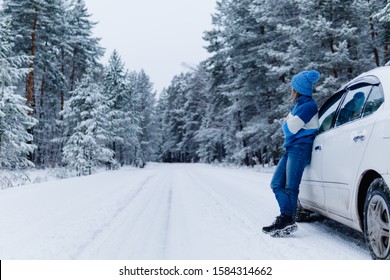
{"x": 318, "y": 148}
{"x": 359, "y": 138}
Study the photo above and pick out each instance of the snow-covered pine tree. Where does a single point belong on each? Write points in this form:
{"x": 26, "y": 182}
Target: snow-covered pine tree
{"x": 114, "y": 90}
{"x": 329, "y": 37}
{"x": 256, "y": 46}
{"x": 15, "y": 120}
{"x": 241, "y": 43}
{"x": 58, "y": 36}
{"x": 195, "y": 110}
{"x": 130, "y": 122}
{"x": 162, "y": 126}
{"x": 145, "y": 108}
{"x": 50, "y": 81}
{"x": 212, "y": 133}
{"x": 24, "y": 24}
{"x": 34, "y": 24}
{"x": 181, "y": 108}
{"x": 85, "y": 48}
{"x": 173, "y": 119}
{"x": 265, "y": 82}
{"x": 381, "y": 15}
{"x": 161, "y": 106}
{"x": 86, "y": 132}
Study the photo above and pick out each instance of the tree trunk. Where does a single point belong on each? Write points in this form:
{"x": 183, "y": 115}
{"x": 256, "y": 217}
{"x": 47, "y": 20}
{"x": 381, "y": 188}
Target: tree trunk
{"x": 62, "y": 99}
{"x": 333, "y": 50}
{"x": 73, "y": 74}
{"x": 30, "y": 78}
{"x": 41, "y": 102}
{"x": 373, "y": 37}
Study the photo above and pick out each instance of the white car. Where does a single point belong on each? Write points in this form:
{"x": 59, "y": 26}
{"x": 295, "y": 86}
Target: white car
{"x": 348, "y": 178}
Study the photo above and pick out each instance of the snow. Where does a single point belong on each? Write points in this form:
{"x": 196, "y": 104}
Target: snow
{"x": 165, "y": 212}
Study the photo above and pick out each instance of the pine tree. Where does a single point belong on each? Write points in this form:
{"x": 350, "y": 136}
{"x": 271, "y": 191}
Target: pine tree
{"x": 50, "y": 82}
{"x": 114, "y": 90}
{"x": 130, "y": 122}
{"x": 181, "y": 109}
{"x": 15, "y": 121}
{"x": 147, "y": 136}
{"x": 173, "y": 119}
{"x": 85, "y": 49}
{"x": 58, "y": 36}
{"x": 24, "y": 24}
{"x": 381, "y": 15}
{"x": 243, "y": 46}
{"x": 34, "y": 24}
{"x": 86, "y": 132}
{"x": 195, "y": 109}
{"x": 212, "y": 134}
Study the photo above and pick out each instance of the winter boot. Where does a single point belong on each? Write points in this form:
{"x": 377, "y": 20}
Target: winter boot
{"x": 283, "y": 225}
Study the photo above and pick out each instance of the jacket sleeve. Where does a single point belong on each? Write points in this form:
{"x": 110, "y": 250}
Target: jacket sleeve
{"x": 303, "y": 115}
{"x": 292, "y": 125}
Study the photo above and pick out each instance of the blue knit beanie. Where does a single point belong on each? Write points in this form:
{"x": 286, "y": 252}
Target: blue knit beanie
{"x": 303, "y": 81}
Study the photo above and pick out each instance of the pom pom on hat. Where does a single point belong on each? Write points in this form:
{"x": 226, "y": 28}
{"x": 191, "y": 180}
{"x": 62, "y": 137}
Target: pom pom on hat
{"x": 303, "y": 81}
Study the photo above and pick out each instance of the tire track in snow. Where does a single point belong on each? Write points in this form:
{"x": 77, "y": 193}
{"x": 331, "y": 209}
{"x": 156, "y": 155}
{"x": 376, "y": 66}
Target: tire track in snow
{"x": 236, "y": 215}
{"x": 106, "y": 225}
{"x": 140, "y": 230}
{"x": 167, "y": 224}
{"x": 224, "y": 204}
{"x": 181, "y": 217}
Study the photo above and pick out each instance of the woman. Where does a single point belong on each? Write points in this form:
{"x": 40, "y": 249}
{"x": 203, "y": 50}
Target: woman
{"x": 299, "y": 128}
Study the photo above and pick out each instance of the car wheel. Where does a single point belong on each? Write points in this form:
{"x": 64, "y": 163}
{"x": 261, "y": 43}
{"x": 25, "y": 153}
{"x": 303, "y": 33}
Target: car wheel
{"x": 377, "y": 219}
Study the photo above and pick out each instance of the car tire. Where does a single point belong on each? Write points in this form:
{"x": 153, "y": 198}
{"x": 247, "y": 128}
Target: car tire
{"x": 377, "y": 220}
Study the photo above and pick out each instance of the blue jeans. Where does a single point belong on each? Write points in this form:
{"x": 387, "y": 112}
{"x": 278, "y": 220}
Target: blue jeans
{"x": 287, "y": 177}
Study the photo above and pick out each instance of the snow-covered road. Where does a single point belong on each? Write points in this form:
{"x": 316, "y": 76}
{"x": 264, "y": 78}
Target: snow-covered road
{"x": 165, "y": 211}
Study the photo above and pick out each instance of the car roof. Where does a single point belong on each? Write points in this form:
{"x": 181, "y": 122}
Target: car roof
{"x": 382, "y": 73}
{"x": 379, "y": 72}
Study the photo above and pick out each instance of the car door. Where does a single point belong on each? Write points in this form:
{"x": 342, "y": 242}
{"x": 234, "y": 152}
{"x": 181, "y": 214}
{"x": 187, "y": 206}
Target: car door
{"x": 343, "y": 149}
{"x": 311, "y": 188}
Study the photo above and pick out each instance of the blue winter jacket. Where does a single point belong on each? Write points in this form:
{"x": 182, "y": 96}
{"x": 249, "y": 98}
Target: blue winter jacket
{"x": 301, "y": 124}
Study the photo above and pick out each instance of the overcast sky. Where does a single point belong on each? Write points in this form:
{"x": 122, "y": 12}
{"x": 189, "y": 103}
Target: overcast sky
{"x": 155, "y": 35}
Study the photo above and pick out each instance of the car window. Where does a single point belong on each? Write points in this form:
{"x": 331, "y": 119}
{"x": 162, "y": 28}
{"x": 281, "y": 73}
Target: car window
{"x": 353, "y": 104}
{"x": 374, "y": 101}
{"x": 328, "y": 110}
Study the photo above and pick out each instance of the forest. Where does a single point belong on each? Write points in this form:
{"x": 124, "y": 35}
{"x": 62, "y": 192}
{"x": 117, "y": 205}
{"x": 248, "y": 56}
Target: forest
{"x": 61, "y": 107}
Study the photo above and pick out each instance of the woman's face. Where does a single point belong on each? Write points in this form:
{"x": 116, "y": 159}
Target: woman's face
{"x": 294, "y": 94}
